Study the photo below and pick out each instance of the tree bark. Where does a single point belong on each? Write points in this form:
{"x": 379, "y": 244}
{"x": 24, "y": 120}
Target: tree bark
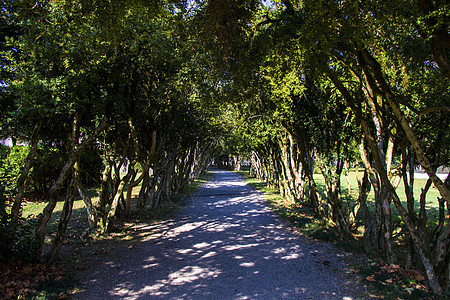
{"x": 383, "y": 88}
{"x": 422, "y": 248}
{"x": 44, "y": 217}
{"x": 99, "y": 206}
{"x": 91, "y": 214}
{"x": 118, "y": 195}
{"x": 15, "y": 210}
{"x": 143, "y": 192}
{"x": 134, "y": 183}
{"x": 62, "y": 225}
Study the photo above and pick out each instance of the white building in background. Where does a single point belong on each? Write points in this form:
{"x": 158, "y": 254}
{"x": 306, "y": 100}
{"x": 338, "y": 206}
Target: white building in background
{"x": 6, "y": 142}
{"x": 419, "y": 173}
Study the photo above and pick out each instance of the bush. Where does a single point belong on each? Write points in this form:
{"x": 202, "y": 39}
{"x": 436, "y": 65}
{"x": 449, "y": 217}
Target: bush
{"x": 46, "y": 167}
{"x": 17, "y": 237}
{"x": 91, "y": 165}
{"x": 11, "y": 167}
{"x": 18, "y": 241}
{"x": 4, "y": 150}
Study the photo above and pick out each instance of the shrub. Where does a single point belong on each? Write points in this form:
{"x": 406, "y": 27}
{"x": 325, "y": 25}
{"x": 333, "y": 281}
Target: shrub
{"x": 11, "y": 167}
{"x": 46, "y": 167}
{"x": 4, "y": 150}
{"x": 91, "y": 165}
{"x": 18, "y": 241}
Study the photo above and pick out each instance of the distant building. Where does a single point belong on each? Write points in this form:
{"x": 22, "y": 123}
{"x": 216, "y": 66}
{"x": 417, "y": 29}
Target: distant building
{"x": 6, "y": 142}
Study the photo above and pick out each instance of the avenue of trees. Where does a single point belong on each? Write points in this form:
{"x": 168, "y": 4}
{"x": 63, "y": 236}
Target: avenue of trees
{"x": 159, "y": 89}
{"x": 98, "y": 98}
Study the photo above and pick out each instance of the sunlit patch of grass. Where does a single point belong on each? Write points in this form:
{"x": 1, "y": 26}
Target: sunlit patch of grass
{"x": 35, "y": 208}
{"x": 432, "y": 195}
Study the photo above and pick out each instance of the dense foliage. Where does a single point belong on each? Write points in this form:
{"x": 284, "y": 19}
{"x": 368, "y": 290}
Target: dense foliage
{"x": 149, "y": 93}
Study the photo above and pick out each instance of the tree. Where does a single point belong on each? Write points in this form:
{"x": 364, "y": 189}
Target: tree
{"x": 342, "y": 43}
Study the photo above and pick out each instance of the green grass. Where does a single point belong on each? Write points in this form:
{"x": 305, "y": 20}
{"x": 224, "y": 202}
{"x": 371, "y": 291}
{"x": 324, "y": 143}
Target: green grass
{"x": 301, "y": 215}
{"x": 79, "y": 219}
{"x": 432, "y": 195}
{"x": 77, "y": 225}
{"x": 35, "y": 208}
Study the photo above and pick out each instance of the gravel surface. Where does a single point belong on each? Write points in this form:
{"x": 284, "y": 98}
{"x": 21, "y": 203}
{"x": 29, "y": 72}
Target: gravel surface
{"x": 225, "y": 244}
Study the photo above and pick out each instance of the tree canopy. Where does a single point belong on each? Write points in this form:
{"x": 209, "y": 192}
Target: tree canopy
{"x": 152, "y": 92}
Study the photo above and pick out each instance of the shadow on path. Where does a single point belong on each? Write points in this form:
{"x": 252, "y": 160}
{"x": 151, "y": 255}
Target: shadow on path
{"x": 225, "y": 244}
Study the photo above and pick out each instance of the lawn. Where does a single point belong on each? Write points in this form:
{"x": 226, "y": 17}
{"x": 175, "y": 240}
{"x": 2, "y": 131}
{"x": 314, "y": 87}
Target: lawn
{"x": 351, "y": 180}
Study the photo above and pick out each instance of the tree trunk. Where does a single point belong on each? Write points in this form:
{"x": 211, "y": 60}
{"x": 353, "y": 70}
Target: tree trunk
{"x": 118, "y": 195}
{"x": 53, "y": 193}
{"x": 142, "y": 198}
{"x": 62, "y": 226}
{"x": 99, "y": 206}
{"x": 384, "y": 89}
{"x": 15, "y": 210}
{"x": 257, "y": 167}
{"x": 332, "y": 182}
{"x": 132, "y": 184}
{"x": 422, "y": 248}
{"x": 237, "y": 162}
{"x": 91, "y": 215}
{"x": 364, "y": 189}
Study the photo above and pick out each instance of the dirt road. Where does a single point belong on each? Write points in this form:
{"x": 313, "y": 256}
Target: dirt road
{"x": 225, "y": 244}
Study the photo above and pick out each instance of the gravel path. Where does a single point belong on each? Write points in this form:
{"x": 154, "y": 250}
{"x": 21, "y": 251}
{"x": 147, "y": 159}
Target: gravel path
{"x": 225, "y": 244}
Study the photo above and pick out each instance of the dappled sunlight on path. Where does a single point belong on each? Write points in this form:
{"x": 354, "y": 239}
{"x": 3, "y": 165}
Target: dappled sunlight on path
{"x": 225, "y": 244}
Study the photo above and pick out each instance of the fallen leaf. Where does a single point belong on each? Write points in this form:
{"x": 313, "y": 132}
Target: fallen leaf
{"x": 419, "y": 277}
{"x": 393, "y": 268}
{"x": 420, "y": 287}
{"x": 131, "y": 247}
{"x": 24, "y": 292}
{"x": 371, "y": 278}
{"x": 390, "y": 280}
